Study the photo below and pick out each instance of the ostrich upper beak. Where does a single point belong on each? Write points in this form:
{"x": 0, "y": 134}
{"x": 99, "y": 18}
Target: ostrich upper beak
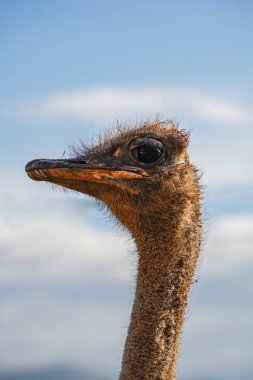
{"x": 76, "y": 169}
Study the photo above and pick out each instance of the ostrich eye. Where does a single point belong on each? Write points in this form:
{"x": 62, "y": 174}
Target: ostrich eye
{"x": 146, "y": 150}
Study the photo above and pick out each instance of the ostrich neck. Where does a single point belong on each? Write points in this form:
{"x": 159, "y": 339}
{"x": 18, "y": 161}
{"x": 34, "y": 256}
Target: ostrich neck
{"x": 165, "y": 270}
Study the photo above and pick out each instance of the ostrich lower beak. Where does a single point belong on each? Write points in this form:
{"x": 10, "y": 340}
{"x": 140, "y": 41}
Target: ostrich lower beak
{"x": 74, "y": 169}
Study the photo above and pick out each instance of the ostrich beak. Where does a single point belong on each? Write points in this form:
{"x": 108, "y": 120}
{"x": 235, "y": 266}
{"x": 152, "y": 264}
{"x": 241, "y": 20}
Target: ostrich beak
{"x": 76, "y": 169}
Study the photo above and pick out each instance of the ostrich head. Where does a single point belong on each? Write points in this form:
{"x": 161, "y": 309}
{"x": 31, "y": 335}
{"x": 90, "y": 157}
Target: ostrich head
{"x": 138, "y": 173}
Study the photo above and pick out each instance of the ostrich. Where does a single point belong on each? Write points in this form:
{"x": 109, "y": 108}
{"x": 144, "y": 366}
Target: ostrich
{"x": 144, "y": 177}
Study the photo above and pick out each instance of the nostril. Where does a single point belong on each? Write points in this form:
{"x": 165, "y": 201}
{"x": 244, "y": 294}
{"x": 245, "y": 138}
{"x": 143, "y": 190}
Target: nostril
{"x": 79, "y": 162}
{"x": 45, "y": 162}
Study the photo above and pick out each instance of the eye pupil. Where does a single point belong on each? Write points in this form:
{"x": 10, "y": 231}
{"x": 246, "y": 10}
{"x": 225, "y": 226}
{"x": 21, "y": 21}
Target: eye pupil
{"x": 147, "y": 150}
{"x": 147, "y": 154}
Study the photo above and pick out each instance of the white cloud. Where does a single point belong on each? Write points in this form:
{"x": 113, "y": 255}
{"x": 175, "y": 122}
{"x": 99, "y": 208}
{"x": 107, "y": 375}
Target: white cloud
{"x": 110, "y": 103}
{"x": 229, "y": 247}
{"x": 51, "y": 247}
{"x": 43, "y": 236}
{"x": 217, "y": 337}
{"x": 219, "y": 171}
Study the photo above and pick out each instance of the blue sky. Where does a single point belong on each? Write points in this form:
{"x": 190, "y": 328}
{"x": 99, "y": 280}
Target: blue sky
{"x": 70, "y": 69}
{"x": 59, "y": 45}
